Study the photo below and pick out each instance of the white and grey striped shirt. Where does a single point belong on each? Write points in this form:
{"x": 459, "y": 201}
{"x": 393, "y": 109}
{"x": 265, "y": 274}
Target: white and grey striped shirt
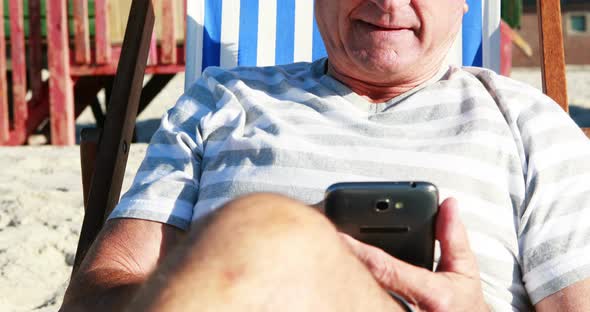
{"x": 514, "y": 160}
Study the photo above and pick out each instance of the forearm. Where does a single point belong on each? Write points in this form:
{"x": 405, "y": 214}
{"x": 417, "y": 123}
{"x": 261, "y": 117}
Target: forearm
{"x": 121, "y": 259}
{"x": 101, "y": 290}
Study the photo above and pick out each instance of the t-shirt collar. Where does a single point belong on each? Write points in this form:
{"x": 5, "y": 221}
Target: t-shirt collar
{"x": 319, "y": 69}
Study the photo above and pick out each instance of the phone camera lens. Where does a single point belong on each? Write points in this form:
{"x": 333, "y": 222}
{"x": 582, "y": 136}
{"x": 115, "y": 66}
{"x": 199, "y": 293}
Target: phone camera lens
{"x": 382, "y": 205}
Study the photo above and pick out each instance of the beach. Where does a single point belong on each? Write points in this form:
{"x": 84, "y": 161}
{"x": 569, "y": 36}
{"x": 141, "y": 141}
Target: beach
{"x": 41, "y": 205}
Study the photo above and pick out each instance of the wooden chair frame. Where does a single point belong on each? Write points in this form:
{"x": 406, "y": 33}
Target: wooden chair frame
{"x": 104, "y": 155}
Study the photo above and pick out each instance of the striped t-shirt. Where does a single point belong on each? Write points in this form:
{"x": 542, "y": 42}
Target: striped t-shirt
{"x": 517, "y": 164}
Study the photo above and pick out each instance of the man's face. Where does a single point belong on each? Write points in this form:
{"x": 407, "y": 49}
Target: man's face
{"x": 388, "y": 41}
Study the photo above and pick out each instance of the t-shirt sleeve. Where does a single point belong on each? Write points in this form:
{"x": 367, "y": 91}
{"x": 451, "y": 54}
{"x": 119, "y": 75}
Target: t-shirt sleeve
{"x": 166, "y": 186}
{"x": 554, "y": 229}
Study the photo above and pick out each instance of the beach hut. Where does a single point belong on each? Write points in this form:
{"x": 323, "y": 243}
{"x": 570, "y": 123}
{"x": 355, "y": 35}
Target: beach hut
{"x": 576, "y": 33}
{"x": 56, "y": 55}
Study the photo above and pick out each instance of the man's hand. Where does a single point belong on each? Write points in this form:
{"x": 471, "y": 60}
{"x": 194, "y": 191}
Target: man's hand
{"x": 455, "y": 286}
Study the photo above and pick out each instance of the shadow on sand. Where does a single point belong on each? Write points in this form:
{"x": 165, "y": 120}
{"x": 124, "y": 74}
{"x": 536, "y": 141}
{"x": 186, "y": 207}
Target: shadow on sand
{"x": 145, "y": 130}
{"x": 581, "y": 115}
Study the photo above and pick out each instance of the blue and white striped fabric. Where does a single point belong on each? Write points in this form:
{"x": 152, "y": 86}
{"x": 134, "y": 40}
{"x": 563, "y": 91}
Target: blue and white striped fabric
{"x": 229, "y": 33}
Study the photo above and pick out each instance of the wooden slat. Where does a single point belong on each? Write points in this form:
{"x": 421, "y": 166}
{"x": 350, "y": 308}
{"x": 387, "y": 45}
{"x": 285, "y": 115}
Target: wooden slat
{"x": 89, "y": 139}
{"x": 102, "y": 35}
{"x": 551, "y": 50}
{"x": 153, "y": 57}
{"x": 38, "y": 113}
{"x": 35, "y": 50}
{"x": 61, "y": 95}
{"x": 168, "y": 41}
{"x": 19, "y": 67}
{"x": 116, "y": 137}
{"x": 35, "y": 116}
{"x": 81, "y": 32}
{"x": 587, "y": 131}
{"x": 110, "y": 69}
{"x": 117, "y": 19}
{"x": 4, "y": 118}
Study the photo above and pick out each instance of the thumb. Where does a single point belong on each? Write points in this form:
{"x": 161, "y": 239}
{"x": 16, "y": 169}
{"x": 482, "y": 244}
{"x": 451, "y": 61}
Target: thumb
{"x": 411, "y": 282}
{"x": 456, "y": 254}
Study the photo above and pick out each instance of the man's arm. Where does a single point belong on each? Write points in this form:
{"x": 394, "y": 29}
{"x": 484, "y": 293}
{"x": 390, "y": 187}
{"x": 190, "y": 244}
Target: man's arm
{"x": 123, "y": 256}
{"x": 572, "y": 298}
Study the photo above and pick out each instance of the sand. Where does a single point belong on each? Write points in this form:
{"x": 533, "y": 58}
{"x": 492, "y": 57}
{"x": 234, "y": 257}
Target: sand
{"x": 41, "y": 206}
{"x": 41, "y": 211}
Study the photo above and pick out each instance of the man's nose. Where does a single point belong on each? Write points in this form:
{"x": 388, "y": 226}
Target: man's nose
{"x": 391, "y": 5}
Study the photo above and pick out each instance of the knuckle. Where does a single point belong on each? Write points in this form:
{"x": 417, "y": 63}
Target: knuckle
{"x": 444, "y": 300}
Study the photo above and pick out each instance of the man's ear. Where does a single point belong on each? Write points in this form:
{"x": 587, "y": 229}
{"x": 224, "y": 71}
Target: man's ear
{"x": 465, "y": 7}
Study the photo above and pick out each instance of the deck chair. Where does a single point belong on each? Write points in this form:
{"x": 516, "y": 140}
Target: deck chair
{"x": 104, "y": 155}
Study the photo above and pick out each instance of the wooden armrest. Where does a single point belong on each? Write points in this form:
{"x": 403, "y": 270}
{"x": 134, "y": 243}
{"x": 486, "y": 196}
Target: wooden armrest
{"x": 552, "y": 54}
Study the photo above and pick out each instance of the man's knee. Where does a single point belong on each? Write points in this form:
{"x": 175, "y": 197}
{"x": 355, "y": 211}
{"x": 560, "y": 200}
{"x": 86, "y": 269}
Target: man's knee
{"x": 259, "y": 241}
{"x": 264, "y": 221}
{"x": 269, "y": 209}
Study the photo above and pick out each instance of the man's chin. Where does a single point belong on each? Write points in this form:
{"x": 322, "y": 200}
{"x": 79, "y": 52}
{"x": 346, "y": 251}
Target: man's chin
{"x": 385, "y": 70}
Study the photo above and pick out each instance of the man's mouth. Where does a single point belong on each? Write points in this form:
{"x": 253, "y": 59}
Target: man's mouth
{"x": 382, "y": 27}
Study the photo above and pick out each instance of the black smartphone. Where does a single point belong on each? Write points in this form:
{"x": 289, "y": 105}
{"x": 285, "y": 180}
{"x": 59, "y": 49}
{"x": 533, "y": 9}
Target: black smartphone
{"x": 398, "y": 217}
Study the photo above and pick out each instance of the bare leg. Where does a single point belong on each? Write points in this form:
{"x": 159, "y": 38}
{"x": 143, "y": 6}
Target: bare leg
{"x": 263, "y": 252}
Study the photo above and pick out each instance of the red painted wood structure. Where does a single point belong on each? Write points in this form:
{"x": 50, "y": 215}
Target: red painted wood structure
{"x": 80, "y": 63}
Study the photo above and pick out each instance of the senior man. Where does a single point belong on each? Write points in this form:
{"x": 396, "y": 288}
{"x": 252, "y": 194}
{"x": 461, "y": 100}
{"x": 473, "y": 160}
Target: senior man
{"x": 238, "y": 162}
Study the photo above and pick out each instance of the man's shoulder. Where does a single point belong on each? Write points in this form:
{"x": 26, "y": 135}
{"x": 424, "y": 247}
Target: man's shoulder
{"x": 497, "y": 84}
{"x": 219, "y": 87}
{"x": 508, "y": 93}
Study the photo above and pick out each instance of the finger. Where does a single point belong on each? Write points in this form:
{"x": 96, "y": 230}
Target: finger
{"x": 411, "y": 282}
{"x": 456, "y": 254}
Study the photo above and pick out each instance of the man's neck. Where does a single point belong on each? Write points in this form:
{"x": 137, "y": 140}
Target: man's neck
{"x": 377, "y": 92}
